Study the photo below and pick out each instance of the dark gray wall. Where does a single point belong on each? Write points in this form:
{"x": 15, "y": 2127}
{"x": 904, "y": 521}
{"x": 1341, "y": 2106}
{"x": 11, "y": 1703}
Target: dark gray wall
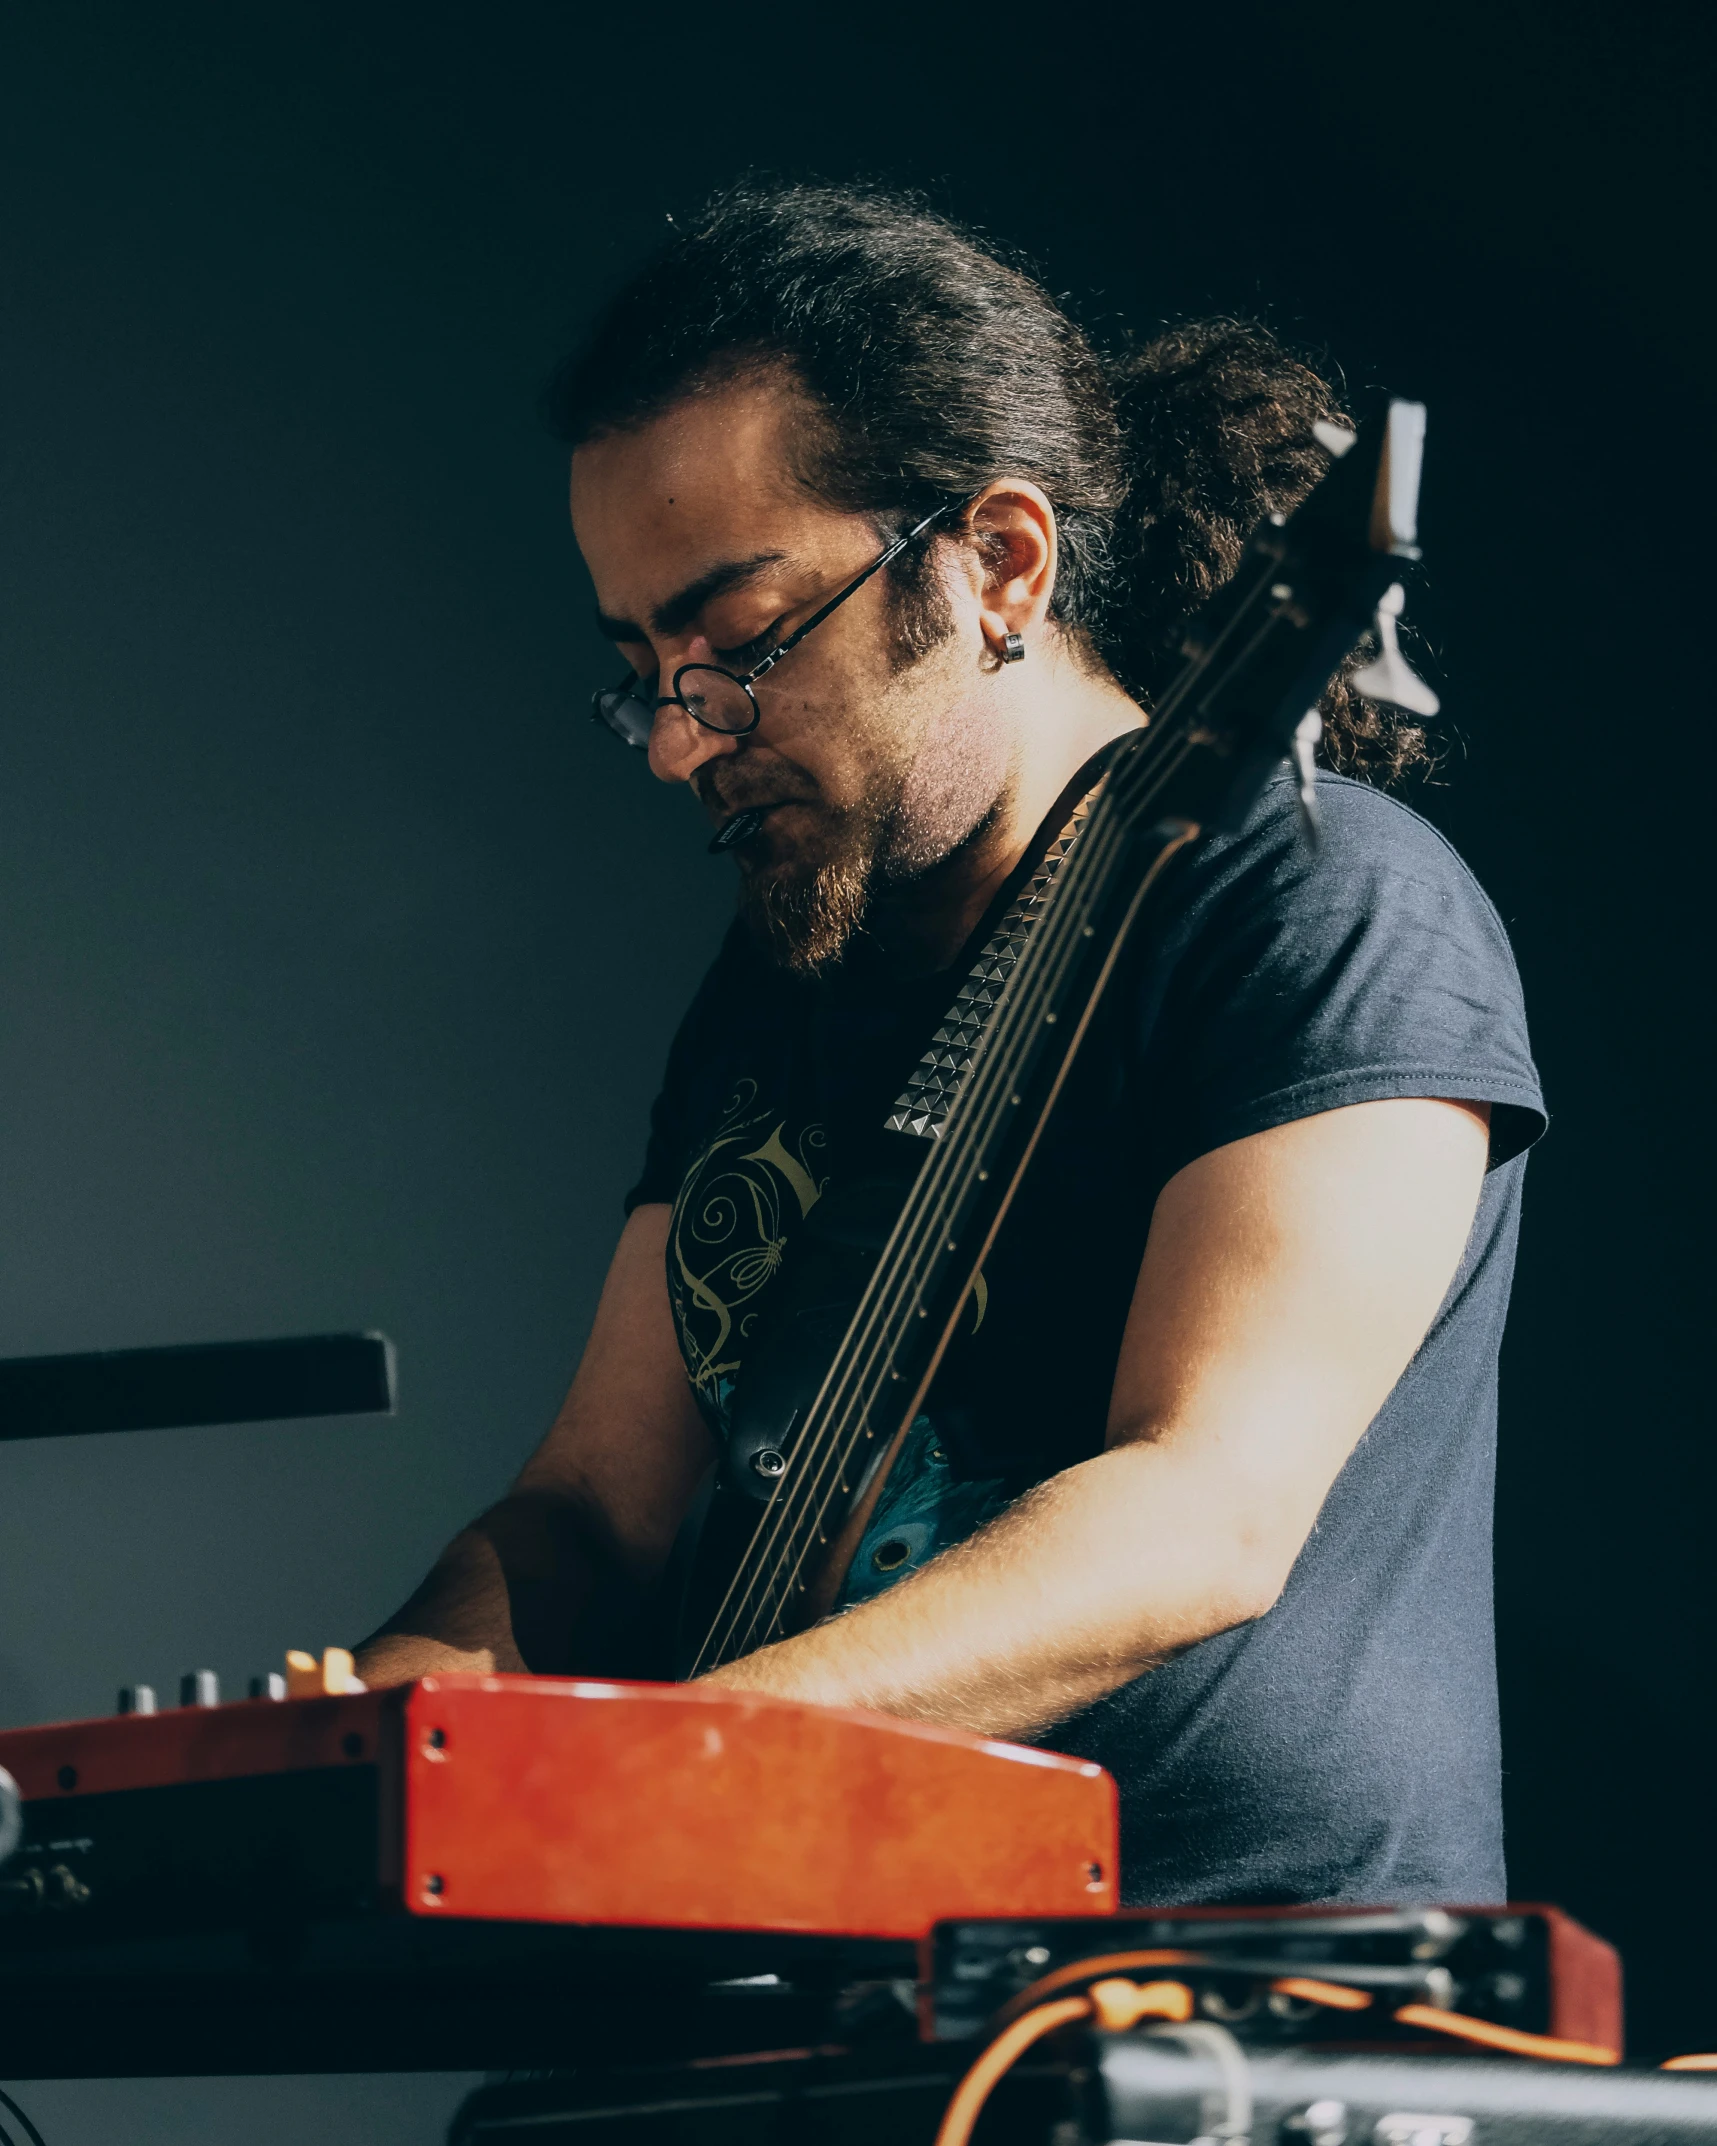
{"x": 339, "y": 954}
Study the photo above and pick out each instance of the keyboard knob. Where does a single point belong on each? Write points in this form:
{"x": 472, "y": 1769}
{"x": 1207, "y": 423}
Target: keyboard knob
{"x": 11, "y": 1815}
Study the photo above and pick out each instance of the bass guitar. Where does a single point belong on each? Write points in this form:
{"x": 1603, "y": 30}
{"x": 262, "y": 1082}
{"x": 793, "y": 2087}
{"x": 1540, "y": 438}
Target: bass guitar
{"x": 873, "y": 1290}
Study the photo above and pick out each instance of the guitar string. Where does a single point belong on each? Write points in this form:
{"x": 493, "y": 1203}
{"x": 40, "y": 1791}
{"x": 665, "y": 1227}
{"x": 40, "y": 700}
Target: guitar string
{"x": 878, "y": 1361}
{"x": 769, "y": 1582}
{"x": 761, "y": 1570}
{"x": 831, "y": 1407}
{"x": 837, "y": 1441}
{"x": 831, "y": 1410}
{"x": 848, "y": 1431}
{"x": 770, "y": 1585}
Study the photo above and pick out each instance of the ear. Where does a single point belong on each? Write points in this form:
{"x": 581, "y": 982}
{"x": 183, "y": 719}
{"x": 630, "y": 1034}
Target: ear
{"x": 1014, "y": 527}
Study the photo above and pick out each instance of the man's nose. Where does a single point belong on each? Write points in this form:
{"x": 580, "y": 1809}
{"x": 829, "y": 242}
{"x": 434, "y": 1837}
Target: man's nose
{"x": 679, "y": 744}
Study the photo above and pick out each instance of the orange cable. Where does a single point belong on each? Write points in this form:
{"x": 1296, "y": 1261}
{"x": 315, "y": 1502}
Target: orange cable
{"x": 974, "y": 2089}
{"x": 1113, "y": 2003}
{"x": 1339, "y": 1996}
{"x": 1104, "y": 1963}
{"x": 1117, "y": 2004}
{"x": 1488, "y": 2035}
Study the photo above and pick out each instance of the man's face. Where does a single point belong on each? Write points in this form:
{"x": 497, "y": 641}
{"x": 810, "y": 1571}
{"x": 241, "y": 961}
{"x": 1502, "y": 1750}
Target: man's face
{"x": 880, "y": 749}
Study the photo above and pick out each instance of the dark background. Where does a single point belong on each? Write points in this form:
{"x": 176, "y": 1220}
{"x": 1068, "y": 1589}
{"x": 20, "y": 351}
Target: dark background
{"x": 339, "y": 953}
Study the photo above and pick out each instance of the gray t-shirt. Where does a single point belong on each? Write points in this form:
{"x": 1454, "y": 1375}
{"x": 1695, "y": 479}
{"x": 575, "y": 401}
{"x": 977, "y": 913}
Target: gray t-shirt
{"x": 1344, "y": 1746}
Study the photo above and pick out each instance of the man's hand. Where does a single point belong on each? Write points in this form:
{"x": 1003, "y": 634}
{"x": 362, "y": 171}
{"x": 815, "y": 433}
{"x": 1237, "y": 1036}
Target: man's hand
{"x": 1287, "y": 1281}
{"x": 399, "y": 1658}
{"x": 546, "y": 1579}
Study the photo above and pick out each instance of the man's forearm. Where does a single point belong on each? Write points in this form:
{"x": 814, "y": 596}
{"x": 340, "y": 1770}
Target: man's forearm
{"x": 509, "y": 1593}
{"x": 460, "y": 1618}
{"x": 1093, "y": 1578}
{"x": 1287, "y": 1281}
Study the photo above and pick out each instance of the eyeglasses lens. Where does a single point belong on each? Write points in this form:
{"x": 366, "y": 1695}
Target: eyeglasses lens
{"x": 625, "y": 711}
{"x": 715, "y": 699}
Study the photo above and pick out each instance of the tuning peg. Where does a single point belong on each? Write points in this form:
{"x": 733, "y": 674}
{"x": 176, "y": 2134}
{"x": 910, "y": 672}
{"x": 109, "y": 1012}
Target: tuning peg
{"x": 1395, "y": 507}
{"x": 1307, "y": 732}
{"x": 1390, "y": 678}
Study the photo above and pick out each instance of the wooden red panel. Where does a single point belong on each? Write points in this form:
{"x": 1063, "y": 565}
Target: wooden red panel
{"x": 1585, "y": 1980}
{"x": 670, "y": 1804}
{"x": 194, "y": 1743}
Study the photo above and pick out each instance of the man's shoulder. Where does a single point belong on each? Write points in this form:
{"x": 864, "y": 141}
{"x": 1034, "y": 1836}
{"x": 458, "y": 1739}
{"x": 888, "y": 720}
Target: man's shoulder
{"x": 1367, "y": 962}
{"x": 1354, "y": 817}
{"x": 1371, "y": 855}
{"x": 1361, "y": 820}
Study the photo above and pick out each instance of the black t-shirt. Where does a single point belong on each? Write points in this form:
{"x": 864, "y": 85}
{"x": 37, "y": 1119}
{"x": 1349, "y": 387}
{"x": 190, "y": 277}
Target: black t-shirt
{"x": 1344, "y": 1746}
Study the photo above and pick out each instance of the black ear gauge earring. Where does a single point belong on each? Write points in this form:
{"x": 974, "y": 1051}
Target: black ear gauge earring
{"x": 1012, "y": 649}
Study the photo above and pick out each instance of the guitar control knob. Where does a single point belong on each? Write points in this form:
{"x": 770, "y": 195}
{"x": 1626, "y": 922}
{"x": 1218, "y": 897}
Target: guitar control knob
{"x": 769, "y": 1463}
{"x": 200, "y": 1687}
{"x": 137, "y": 1698}
{"x": 272, "y": 1686}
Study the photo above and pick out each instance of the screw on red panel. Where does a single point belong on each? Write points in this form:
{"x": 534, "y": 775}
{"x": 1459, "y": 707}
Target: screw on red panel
{"x": 1094, "y": 1877}
{"x": 437, "y": 1739}
{"x": 435, "y": 1885}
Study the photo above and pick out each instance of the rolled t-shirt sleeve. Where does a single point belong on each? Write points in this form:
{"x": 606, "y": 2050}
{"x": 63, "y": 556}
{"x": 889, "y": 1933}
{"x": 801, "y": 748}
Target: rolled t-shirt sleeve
{"x": 1299, "y": 979}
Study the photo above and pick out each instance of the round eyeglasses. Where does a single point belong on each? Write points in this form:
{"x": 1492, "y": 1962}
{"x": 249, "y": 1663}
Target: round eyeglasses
{"x": 723, "y": 700}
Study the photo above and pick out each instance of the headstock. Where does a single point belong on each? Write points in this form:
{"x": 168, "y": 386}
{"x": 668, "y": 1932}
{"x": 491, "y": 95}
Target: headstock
{"x": 1309, "y": 586}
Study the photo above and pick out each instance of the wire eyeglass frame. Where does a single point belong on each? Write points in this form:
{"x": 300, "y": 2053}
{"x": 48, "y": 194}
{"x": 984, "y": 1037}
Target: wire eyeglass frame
{"x": 630, "y": 713}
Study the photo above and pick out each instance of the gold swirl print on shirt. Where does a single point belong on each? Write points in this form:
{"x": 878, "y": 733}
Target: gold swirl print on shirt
{"x": 737, "y": 1203}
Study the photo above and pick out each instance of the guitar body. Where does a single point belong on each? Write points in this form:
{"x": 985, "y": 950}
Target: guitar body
{"x": 812, "y": 1304}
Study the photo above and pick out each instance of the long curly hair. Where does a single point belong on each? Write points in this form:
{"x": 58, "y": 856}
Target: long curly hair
{"x": 937, "y": 361}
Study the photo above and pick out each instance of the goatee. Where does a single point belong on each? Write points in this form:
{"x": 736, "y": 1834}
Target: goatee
{"x": 804, "y": 919}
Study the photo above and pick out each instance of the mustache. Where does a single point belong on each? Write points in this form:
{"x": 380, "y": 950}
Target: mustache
{"x": 728, "y": 787}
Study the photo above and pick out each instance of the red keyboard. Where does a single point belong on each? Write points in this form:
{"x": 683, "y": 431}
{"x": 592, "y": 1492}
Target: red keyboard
{"x": 529, "y": 1799}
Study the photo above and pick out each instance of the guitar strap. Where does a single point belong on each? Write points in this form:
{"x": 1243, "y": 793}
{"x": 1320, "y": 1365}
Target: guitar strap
{"x": 932, "y": 1093}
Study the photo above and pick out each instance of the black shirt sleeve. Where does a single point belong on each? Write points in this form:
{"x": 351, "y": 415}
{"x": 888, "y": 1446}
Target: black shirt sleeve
{"x": 1292, "y": 980}
{"x": 678, "y": 1114}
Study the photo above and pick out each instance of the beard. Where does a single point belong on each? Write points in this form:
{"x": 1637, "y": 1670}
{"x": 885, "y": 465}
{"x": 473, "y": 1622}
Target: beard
{"x": 805, "y": 913}
{"x": 808, "y": 875}
{"x": 804, "y": 907}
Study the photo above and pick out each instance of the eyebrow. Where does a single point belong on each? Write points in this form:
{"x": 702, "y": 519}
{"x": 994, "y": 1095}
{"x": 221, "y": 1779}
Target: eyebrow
{"x": 678, "y": 610}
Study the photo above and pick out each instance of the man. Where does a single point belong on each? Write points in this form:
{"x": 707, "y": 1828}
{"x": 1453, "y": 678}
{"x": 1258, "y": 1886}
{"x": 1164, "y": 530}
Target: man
{"x": 1207, "y": 1494}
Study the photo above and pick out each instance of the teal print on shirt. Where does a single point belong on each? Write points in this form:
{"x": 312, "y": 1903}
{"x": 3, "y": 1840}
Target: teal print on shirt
{"x": 753, "y": 1182}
